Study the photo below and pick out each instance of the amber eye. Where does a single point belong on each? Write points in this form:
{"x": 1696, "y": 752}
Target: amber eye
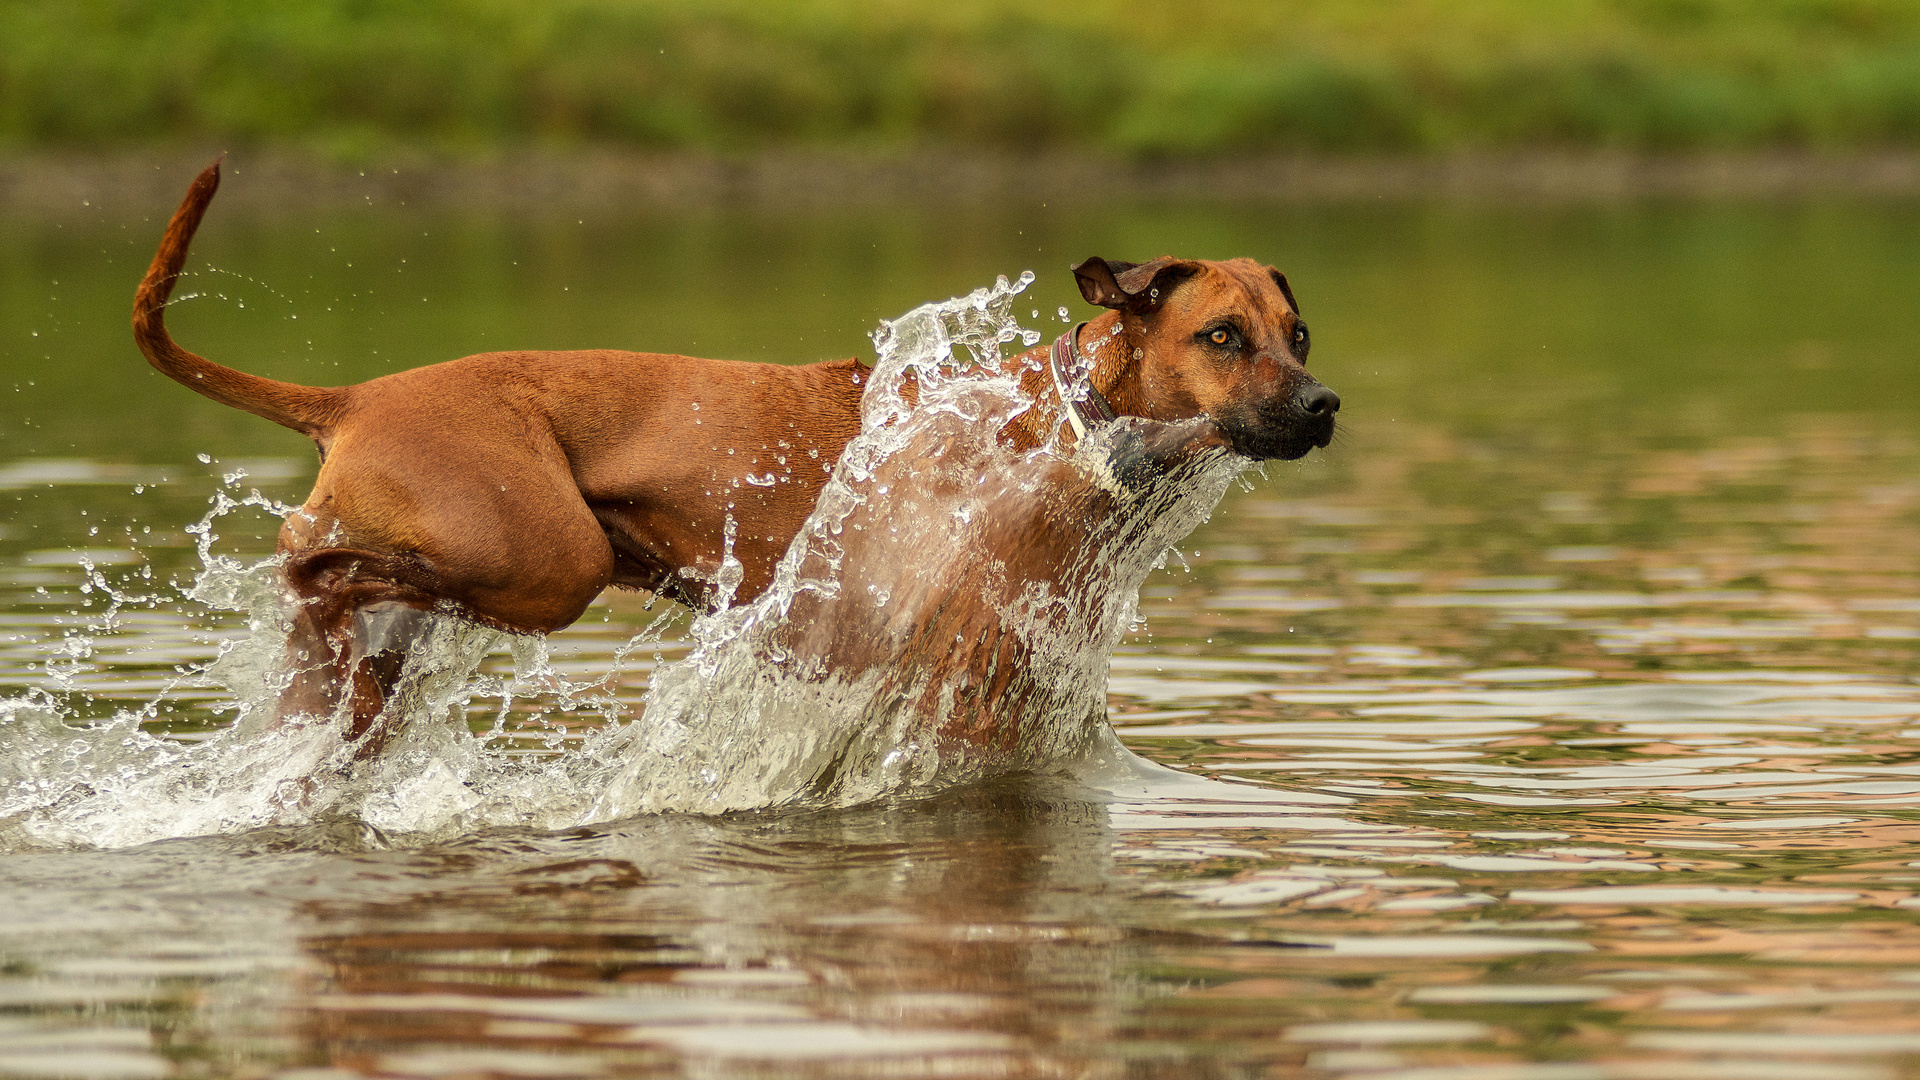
{"x": 1219, "y": 337}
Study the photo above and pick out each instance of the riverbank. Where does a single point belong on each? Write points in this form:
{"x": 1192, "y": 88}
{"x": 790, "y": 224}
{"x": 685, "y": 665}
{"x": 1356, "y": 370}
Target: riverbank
{"x": 356, "y": 79}
{"x": 59, "y": 185}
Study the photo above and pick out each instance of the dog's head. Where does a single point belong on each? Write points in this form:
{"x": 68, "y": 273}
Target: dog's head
{"x": 1222, "y": 340}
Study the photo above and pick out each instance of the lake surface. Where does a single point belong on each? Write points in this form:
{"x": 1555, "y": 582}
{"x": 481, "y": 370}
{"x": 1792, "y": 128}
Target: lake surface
{"x": 1572, "y": 697}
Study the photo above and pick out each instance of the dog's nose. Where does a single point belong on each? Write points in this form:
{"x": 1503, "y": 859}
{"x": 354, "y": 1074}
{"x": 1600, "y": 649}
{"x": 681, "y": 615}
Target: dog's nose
{"x": 1317, "y": 401}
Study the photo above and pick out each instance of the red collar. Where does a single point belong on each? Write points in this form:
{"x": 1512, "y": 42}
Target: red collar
{"x": 1085, "y": 407}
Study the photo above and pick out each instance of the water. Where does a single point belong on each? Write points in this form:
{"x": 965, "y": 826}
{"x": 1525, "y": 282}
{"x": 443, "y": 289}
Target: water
{"x": 1570, "y": 698}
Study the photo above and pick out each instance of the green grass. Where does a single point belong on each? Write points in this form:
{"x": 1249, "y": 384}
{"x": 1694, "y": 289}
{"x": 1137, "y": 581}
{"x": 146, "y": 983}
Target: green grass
{"x": 730, "y": 76}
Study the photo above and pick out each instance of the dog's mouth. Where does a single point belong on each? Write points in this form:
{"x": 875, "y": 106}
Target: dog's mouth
{"x": 1284, "y": 447}
{"x": 1290, "y": 436}
{"x": 1298, "y": 448}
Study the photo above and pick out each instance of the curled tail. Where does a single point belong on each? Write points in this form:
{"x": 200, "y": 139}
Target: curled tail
{"x": 310, "y": 410}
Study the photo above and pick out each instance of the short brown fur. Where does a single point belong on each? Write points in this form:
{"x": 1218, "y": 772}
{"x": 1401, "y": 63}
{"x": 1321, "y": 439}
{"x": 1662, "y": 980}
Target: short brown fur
{"x": 513, "y": 487}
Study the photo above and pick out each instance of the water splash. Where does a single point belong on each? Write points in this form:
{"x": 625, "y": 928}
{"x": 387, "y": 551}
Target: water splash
{"x": 947, "y": 612}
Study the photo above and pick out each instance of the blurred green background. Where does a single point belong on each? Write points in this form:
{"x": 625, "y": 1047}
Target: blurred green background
{"x": 356, "y": 78}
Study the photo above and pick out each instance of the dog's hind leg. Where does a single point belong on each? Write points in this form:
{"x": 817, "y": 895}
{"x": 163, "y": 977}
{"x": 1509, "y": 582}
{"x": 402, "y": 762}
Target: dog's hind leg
{"x": 383, "y": 636}
{"x": 397, "y": 528}
{"x": 352, "y": 633}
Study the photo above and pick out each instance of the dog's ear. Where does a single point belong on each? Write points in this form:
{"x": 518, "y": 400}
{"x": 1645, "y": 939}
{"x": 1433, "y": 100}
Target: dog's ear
{"x": 1137, "y": 288}
{"x": 1098, "y": 284}
{"x": 1280, "y": 279}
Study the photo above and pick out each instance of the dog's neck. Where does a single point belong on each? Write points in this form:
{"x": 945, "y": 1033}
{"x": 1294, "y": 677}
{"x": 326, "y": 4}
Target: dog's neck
{"x": 1113, "y": 354}
{"x": 1115, "y": 351}
{"x": 1085, "y": 407}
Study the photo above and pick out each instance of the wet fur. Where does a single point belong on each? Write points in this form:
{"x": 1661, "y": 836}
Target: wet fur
{"x": 513, "y": 487}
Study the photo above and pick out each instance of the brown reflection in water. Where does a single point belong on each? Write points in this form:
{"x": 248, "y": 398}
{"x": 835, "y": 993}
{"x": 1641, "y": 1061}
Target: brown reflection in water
{"x": 987, "y": 914}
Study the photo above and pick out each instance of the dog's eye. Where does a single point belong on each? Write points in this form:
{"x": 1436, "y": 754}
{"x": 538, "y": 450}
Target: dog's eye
{"x": 1219, "y": 337}
{"x": 1300, "y": 337}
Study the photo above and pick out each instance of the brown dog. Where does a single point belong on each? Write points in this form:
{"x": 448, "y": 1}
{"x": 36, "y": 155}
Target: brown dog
{"x": 512, "y": 488}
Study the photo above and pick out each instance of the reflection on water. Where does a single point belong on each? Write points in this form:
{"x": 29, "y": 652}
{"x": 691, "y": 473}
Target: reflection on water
{"x": 1569, "y": 707}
